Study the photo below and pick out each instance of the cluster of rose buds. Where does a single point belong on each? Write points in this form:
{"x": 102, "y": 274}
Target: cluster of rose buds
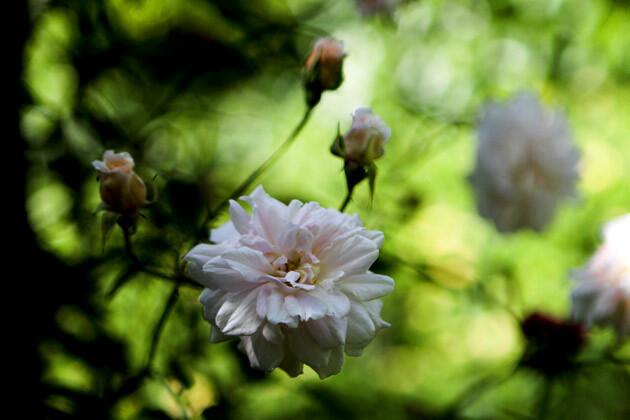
{"x": 293, "y": 283}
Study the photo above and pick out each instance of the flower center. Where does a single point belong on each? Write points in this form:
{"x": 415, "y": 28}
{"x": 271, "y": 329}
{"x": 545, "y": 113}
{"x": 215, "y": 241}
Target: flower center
{"x": 298, "y": 268}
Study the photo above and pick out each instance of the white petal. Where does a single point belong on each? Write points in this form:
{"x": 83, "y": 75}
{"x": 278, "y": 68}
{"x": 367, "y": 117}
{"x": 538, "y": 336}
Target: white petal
{"x": 262, "y": 354}
{"x": 295, "y": 238}
{"x": 363, "y": 322}
{"x": 305, "y": 306}
{"x": 212, "y": 300}
{"x": 240, "y": 219}
{"x": 250, "y": 263}
{"x": 291, "y": 365}
{"x": 100, "y": 166}
{"x": 367, "y": 286}
{"x": 338, "y": 304}
{"x": 353, "y": 255}
{"x": 203, "y": 253}
{"x": 269, "y": 216}
{"x": 333, "y": 367}
{"x": 224, "y": 233}
{"x": 237, "y": 315}
{"x": 374, "y": 235}
{"x": 306, "y": 349}
{"x": 328, "y": 332}
{"x": 218, "y": 274}
{"x": 216, "y": 336}
{"x": 271, "y": 305}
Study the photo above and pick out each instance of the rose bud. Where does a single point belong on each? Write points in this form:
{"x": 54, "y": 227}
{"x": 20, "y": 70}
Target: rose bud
{"x": 365, "y": 140}
{"x": 359, "y": 147}
{"x": 323, "y": 68}
{"x": 122, "y": 191}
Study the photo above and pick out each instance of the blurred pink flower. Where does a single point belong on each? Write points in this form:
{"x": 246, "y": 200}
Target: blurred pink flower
{"x": 121, "y": 190}
{"x": 602, "y": 291}
{"x": 293, "y": 283}
{"x": 526, "y": 162}
{"x": 365, "y": 141}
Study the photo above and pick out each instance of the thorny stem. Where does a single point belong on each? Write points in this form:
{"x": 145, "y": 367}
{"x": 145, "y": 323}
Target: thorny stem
{"x": 211, "y": 215}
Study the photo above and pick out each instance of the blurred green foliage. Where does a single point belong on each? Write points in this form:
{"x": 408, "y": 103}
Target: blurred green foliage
{"x": 201, "y": 92}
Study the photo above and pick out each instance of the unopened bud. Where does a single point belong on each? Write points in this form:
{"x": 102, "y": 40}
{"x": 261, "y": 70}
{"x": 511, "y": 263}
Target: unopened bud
{"x": 122, "y": 191}
{"x": 365, "y": 141}
{"x": 323, "y": 68}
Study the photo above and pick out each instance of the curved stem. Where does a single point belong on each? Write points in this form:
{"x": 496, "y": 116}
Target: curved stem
{"x": 159, "y": 327}
{"x": 346, "y": 200}
{"x": 254, "y": 175}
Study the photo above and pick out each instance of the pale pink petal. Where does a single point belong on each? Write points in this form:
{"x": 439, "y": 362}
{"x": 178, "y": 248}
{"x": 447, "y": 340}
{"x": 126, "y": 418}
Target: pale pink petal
{"x": 334, "y": 365}
{"x": 237, "y": 315}
{"x": 363, "y": 323}
{"x": 240, "y": 219}
{"x": 269, "y": 216}
{"x": 198, "y": 257}
{"x": 305, "y": 306}
{"x": 270, "y": 305}
{"x": 216, "y": 336}
{"x": 218, "y": 274}
{"x": 305, "y": 348}
{"x": 367, "y": 286}
{"x": 291, "y": 365}
{"x": 224, "y": 233}
{"x": 352, "y": 256}
{"x": 262, "y": 353}
{"x": 250, "y": 263}
{"x": 328, "y": 332}
{"x": 337, "y": 303}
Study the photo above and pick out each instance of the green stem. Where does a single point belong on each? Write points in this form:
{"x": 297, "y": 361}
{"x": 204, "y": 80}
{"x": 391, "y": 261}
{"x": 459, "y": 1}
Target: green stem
{"x": 254, "y": 175}
{"x": 159, "y": 327}
{"x": 135, "y": 261}
{"x": 346, "y": 200}
{"x": 545, "y": 399}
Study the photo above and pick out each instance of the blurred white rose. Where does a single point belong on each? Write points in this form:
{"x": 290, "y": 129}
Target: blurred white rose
{"x": 293, "y": 283}
{"x": 602, "y": 291}
{"x": 525, "y": 163}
